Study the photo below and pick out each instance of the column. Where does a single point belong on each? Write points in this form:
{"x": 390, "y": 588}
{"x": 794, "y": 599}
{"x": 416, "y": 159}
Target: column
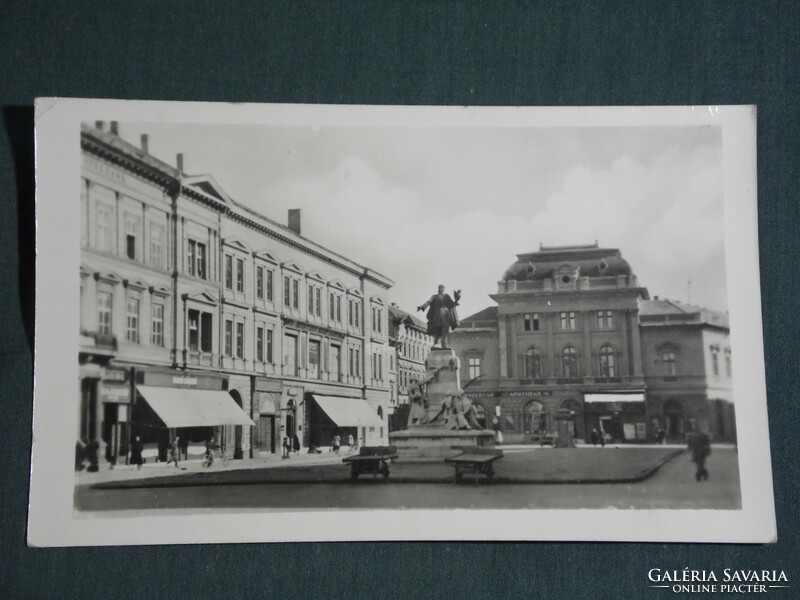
{"x": 502, "y": 345}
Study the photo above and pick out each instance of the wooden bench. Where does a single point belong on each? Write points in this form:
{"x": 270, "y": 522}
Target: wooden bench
{"x": 476, "y": 461}
{"x": 371, "y": 459}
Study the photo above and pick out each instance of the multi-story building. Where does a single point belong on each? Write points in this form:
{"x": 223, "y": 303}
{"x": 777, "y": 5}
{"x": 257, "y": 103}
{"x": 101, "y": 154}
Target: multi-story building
{"x": 567, "y": 335}
{"x": 408, "y": 335}
{"x": 688, "y": 369}
{"x": 201, "y": 317}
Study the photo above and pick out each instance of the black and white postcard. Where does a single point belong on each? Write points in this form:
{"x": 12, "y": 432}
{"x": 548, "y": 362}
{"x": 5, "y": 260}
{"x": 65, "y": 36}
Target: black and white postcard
{"x": 267, "y": 323}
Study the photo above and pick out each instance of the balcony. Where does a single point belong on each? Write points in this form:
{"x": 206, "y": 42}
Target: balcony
{"x": 101, "y": 344}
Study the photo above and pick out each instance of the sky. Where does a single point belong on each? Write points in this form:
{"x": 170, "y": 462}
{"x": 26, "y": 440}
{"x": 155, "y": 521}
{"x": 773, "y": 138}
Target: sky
{"x": 430, "y": 205}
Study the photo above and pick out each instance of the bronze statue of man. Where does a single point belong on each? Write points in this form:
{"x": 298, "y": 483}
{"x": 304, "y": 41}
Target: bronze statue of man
{"x": 442, "y": 316}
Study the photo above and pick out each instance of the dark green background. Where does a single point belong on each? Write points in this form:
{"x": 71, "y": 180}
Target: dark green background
{"x": 452, "y": 53}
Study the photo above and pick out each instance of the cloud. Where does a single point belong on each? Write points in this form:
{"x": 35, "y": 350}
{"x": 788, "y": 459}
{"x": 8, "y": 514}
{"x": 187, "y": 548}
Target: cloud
{"x": 665, "y": 215}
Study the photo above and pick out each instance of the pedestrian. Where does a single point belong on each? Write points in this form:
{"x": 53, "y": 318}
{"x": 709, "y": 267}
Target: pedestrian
{"x": 136, "y": 452}
{"x": 661, "y": 435}
{"x": 174, "y": 451}
{"x": 296, "y": 443}
{"x": 211, "y": 445}
{"x": 351, "y": 442}
{"x": 602, "y": 436}
{"x": 185, "y": 447}
{"x": 700, "y": 447}
{"x": 594, "y": 437}
{"x": 337, "y": 441}
{"x": 286, "y": 446}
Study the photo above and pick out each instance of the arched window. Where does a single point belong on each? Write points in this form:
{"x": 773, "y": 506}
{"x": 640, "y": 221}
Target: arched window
{"x": 668, "y": 360}
{"x": 569, "y": 362}
{"x": 535, "y": 417}
{"x": 533, "y": 364}
{"x": 608, "y": 361}
{"x": 380, "y": 413}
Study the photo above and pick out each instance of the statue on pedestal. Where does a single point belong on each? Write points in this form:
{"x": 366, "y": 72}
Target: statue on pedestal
{"x": 442, "y": 315}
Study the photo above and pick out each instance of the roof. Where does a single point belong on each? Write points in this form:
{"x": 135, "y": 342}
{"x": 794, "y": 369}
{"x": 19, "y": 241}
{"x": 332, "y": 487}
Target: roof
{"x": 209, "y": 187}
{"x": 664, "y": 310}
{"x": 402, "y": 316}
{"x": 590, "y": 261}
{"x": 483, "y": 318}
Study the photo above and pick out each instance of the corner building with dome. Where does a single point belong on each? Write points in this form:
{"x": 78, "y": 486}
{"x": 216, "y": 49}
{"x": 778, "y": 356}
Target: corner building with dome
{"x": 574, "y": 333}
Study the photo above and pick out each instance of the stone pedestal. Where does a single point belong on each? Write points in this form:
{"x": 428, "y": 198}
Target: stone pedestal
{"x": 434, "y": 442}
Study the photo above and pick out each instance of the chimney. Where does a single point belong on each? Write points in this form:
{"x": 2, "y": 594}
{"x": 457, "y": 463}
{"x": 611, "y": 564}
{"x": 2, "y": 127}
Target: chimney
{"x": 294, "y": 220}
{"x": 99, "y": 125}
{"x": 114, "y": 127}
{"x": 145, "y": 143}
{"x": 179, "y": 161}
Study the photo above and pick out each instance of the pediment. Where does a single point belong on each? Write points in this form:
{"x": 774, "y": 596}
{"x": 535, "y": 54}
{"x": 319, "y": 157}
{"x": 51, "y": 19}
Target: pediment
{"x": 291, "y": 266}
{"x": 209, "y": 186}
{"x": 203, "y": 297}
{"x": 236, "y": 243}
{"x": 266, "y": 256}
{"x": 316, "y": 276}
{"x": 337, "y": 285}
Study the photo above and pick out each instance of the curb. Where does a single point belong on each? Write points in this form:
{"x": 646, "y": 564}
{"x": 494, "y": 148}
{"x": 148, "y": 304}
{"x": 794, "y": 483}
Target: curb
{"x": 176, "y": 481}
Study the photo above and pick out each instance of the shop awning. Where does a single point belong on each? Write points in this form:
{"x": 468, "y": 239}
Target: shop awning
{"x": 348, "y": 412}
{"x": 180, "y": 407}
{"x": 614, "y": 397}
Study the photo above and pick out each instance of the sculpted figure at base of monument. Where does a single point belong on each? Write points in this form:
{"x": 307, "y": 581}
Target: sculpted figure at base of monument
{"x": 457, "y": 412}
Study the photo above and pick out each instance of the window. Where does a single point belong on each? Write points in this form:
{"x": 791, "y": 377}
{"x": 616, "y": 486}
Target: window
{"x": 207, "y": 331}
{"x": 287, "y": 292}
{"x": 569, "y": 362}
{"x": 358, "y": 362}
{"x": 338, "y": 309}
{"x": 228, "y": 337}
{"x": 228, "y": 272}
{"x": 350, "y": 313}
{"x": 200, "y": 330}
{"x": 313, "y": 359}
{"x": 728, "y": 363}
{"x": 196, "y": 259}
{"x": 358, "y": 316}
{"x": 350, "y": 362}
{"x": 380, "y": 367}
{"x": 270, "y": 345}
{"x": 290, "y": 354}
{"x": 103, "y": 237}
{"x": 260, "y": 344}
{"x": 533, "y": 364}
{"x": 131, "y": 232}
{"x": 668, "y": 360}
{"x": 295, "y": 293}
{"x": 194, "y": 330}
{"x": 318, "y": 295}
{"x": 374, "y": 319}
{"x": 260, "y": 283}
{"x": 269, "y": 286}
{"x": 331, "y": 307}
{"x": 568, "y": 320}
{"x": 605, "y": 319}
{"x": 157, "y": 246}
{"x": 715, "y": 362}
{"x": 474, "y": 364}
{"x": 336, "y": 363}
{"x": 608, "y": 361}
{"x": 535, "y": 417}
{"x": 104, "y": 304}
{"x": 239, "y": 275}
{"x": 132, "y": 320}
{"x": 310, "y": 299}
{"x": 380, "y": 326}
{"x": 157, "y": 326}
{"x": 240, "y": 340}
{"x": 201, "y": 260}
{"x": 531, "y": 322}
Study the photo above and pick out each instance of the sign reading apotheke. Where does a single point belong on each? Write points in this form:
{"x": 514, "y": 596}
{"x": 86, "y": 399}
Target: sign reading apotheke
{"x": 735, "y": 581}
{"x": 522, "y": 394}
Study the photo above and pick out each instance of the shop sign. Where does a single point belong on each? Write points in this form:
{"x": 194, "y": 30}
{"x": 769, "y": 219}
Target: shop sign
{"x": 184, "y": 380}
{"x": 115, "y": 393}
{"x": 117, "y": 375}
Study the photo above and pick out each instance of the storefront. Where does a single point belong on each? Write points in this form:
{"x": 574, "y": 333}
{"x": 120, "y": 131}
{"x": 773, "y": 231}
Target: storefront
{"x": 266, "y": 414}
{"x": 105, "y": 413}
{"x": 619, "y": 417}
{"x": 192, "y": 406}
{"x": 331, "y": 415}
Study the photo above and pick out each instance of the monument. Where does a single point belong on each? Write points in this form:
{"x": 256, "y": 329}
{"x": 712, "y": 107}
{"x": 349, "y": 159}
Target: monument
{"x": 442, "y": 419}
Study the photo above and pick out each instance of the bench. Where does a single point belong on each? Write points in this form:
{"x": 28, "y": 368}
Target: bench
{"x": 371, "y": 459}
{"x": 475, "y": 461}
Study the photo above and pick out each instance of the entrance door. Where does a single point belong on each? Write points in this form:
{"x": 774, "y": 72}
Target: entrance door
{"x": 266, "y": 433}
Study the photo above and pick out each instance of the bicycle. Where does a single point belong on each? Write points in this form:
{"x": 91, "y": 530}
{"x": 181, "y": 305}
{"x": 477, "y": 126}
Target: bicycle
{"x": 219, "y": 451}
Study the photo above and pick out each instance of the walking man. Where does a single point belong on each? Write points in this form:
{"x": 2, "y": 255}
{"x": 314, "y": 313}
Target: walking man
{"x": 700, "y": 447}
